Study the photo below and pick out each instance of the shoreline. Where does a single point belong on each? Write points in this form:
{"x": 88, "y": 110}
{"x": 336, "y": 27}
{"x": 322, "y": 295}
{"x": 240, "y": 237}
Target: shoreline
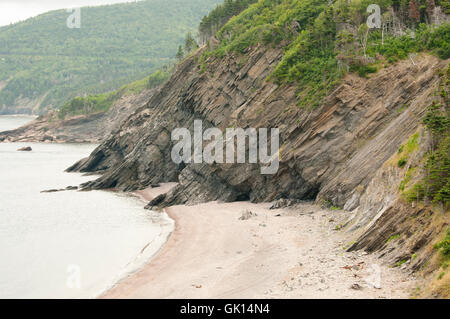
{"x": 283, "y": 253}
{"x": 102, "y": 232}
{"x": 144, "y": 196}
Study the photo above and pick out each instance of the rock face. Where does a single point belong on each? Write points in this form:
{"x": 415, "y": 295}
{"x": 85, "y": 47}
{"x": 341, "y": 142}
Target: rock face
{"x": 90, "y": 128}
{"x": 342, "y": 153}
{"x": 330, "y": 153}
{"x": 402, "y": 233}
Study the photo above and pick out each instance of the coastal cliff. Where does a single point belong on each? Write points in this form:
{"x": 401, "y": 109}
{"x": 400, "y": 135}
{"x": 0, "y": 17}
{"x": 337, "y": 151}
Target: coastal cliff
{"x": 356, "y": 204}
{"x": 343, "y": 134}
{"x": 326, "y": 153}
{"x": 333, "y": 154}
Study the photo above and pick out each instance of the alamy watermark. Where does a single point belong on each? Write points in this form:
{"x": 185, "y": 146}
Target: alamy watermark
{"x": 374, "y": 20}
{"x": 374, "y": 278}
{"x": 190, "y": 149}
{"x": 74, "y": 20}
{"x": 74, "y": 277}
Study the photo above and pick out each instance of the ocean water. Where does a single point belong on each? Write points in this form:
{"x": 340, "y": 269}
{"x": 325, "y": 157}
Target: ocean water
{"x": 10, "y": 122}
{"x": 67, "y": 244}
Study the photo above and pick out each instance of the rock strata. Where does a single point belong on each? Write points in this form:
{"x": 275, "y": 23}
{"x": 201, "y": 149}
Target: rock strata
{"x": 327, "y": 154}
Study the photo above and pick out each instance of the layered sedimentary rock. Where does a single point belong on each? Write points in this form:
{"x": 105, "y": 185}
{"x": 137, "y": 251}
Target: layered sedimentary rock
{"x": 342, "y": 153}
{"x": 330, "y": 153}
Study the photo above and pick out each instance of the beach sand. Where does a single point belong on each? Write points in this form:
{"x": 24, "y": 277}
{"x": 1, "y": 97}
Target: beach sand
{"x": 284, "y": 253}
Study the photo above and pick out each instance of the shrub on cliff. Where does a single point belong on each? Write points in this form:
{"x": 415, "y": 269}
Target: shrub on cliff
{"x": 444, "y": 247}
{"x": 436, "y": 181}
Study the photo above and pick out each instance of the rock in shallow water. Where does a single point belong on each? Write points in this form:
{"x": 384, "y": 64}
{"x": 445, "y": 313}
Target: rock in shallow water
{"x": 153, "y": 204}
{"x": 51, "y": 191}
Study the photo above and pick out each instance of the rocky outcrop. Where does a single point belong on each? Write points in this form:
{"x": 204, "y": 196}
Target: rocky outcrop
{"x": 343, "y": 153}
{"x": 90, "y": 128}
{"x": 330, "y": 153}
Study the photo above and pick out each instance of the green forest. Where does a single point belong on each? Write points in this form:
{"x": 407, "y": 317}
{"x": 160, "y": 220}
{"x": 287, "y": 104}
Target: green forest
{"x": 115, "y": 44}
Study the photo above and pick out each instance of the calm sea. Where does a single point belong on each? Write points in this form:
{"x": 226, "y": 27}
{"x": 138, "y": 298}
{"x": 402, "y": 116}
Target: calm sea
{"x": 67, "y": 244}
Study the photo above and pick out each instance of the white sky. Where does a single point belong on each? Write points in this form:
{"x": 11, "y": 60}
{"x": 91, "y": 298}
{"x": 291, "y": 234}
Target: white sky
{"x": 12, "y": 11}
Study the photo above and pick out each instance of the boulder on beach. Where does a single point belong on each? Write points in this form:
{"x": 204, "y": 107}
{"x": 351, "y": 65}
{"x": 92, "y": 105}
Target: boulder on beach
{"x": 247, "y": 214}
{"x": 25, "y": 149}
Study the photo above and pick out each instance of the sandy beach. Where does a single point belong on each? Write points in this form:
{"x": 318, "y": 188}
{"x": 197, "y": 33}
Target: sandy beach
{"x": 284, "y": 253}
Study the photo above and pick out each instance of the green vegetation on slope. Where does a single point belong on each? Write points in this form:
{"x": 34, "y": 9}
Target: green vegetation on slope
{"x": 322, "y": 42}
{"x": 217, "y": 18}
{"x": 444, "y": 247}
{"x": 102, "y": 102}
{"x": 116, "y": 44}
{"x": 86, "y": 105}
{"x": 435, "y": 185}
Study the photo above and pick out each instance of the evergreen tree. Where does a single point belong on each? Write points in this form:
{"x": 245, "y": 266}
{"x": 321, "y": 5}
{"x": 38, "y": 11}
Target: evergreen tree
{"x": 180, "y": 53}
{"x": 189, "y": 43}
{"x": 218, "y": 17}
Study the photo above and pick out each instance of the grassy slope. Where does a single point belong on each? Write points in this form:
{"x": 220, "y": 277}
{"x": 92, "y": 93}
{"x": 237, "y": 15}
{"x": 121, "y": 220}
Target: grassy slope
{"x": 102, "y": 102}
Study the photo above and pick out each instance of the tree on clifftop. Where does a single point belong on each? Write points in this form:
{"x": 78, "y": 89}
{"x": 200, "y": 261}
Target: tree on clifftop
{"x": 189, "y": 43}
{"x": 180, "y": 53}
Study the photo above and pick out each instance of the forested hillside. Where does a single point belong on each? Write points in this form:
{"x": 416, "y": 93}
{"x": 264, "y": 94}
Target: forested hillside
{"x": 43, "y": 63}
